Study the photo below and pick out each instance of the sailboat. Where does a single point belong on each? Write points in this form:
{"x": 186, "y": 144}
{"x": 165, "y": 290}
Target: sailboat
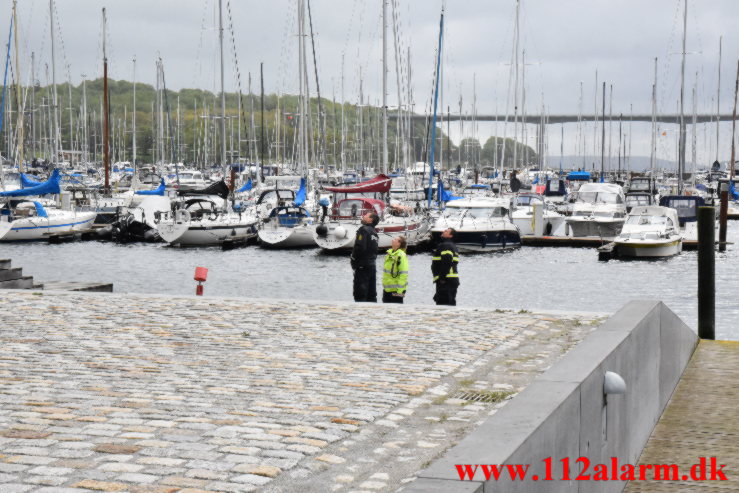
{"x": 205, "y": 219}
{"x": 24, "y": 219}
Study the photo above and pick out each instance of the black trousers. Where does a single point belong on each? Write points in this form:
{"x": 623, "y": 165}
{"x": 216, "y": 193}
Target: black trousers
{"x": 389, "y": 298}
{"x": 446, "y": 293}
{"x": 365, "y": 284}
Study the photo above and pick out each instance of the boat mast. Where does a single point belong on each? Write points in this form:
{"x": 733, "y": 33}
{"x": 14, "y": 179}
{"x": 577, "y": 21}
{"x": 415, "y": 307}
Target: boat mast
{"x": 436, "y": 101}
{"x": 106, "y": 111}
{"x": 718, "y": 95}
{"x": 653, "y": 150}
{"x": 681, "y": 142}
{"x": 20, "y": 104}
{"x": 384, "y": 86}
{"x": 733, "y": 125}
{"x": 55, "y": 140}
{"x": 223, "y": 90}
{"x": 134, "y": 116}
{"x": 603, "y": 137}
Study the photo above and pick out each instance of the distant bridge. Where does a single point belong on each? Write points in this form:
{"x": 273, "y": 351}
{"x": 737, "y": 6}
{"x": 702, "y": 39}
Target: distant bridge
{"x": 552, "y": 119}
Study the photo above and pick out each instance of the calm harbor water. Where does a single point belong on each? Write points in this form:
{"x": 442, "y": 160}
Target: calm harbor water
{"x": 529, "y": 278}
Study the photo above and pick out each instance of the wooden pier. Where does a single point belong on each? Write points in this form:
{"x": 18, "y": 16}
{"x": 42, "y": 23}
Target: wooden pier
{"x": 701, "y": 420}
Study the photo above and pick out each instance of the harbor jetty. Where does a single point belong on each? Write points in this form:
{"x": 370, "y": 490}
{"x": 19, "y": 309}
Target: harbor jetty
{"x": 113, "y": 392}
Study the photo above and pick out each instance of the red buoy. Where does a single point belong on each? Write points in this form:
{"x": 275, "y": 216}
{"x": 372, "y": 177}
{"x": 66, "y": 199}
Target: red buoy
{"x": 201, "y": 274}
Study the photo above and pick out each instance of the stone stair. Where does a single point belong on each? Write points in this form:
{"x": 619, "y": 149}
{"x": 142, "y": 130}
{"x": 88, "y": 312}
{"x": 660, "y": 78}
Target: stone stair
{"x": 12, "y": 277}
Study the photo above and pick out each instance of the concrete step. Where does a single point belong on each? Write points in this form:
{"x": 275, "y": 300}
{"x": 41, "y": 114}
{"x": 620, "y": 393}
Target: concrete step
{"x": 5, "y": 263}
{"x": 11, "y": 274}
{"x": 25, "y": 282}
{"x": 78, "y": 286}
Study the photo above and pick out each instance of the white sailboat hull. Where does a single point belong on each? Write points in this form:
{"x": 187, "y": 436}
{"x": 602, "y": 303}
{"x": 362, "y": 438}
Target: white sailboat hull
{"x": 206, "y": 232}
{"x": 40, "y": 228}
{"x": 280, "y": 237}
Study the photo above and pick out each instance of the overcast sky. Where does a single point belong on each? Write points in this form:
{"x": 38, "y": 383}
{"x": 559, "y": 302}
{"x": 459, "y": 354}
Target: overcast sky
{"x": 565, "y": 42}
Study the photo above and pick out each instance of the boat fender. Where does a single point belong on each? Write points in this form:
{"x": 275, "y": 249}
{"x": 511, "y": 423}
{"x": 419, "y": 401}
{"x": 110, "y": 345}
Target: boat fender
{"x": 340, "y": 232}
{"x": 322, "y": 230}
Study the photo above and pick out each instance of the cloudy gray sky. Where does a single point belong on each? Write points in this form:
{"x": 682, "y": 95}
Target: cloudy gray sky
{"x": 565, "y": 42}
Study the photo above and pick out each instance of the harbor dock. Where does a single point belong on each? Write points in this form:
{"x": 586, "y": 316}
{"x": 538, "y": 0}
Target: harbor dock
{"x": 113, "y": 392}
{"x": 702, "y": 420}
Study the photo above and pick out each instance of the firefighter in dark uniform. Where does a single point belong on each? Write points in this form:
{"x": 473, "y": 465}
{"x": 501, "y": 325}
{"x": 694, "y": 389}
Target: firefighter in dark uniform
{"x": 444, "y": 268}
{"x": 363, "y": 259}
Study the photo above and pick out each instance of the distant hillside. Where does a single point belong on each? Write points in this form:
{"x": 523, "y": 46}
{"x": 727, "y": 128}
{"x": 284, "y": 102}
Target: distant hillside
{"x": 199, "y": 127}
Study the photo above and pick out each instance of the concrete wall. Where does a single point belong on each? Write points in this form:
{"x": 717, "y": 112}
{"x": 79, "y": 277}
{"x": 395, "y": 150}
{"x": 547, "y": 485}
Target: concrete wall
{"x": 564, "y": 413}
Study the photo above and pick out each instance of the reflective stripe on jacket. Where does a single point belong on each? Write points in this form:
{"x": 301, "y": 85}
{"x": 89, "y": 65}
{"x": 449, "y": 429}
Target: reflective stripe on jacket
{"x": 395, "y": 272}
{"x": 444, "y": 262}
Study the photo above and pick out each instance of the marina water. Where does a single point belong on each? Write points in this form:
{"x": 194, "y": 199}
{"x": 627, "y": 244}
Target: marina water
{"x": 570, "y": 279}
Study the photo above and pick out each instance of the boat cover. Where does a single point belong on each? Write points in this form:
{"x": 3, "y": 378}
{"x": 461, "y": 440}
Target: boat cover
{"x": 219, "y": 188}
{"x": 246, "y": 187}
{"x": 444, "y": 195}
{"x": 300, "y": 196}
{"x": 379, "y": 184}
{"x": 157, "y": 191}
{"x": 27, "y": 181}
{"x": 47, "y": 187}
{"x": 40, "y": 211}
{"x": 578, "y": 175}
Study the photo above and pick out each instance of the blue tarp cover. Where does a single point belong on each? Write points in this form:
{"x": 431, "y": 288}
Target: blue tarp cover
{"x": 578, "y": 175}
{"x": 246, "y": 187}
{"x": 27, "y": 181}
{"x": 444, "y": 195}
{"x": 157, "y": 191}
{"x": 300, "y": 196}
{"x": 40, "y": 211}
{"x": 732, "y": 191}
{"x": 49, "y": 186}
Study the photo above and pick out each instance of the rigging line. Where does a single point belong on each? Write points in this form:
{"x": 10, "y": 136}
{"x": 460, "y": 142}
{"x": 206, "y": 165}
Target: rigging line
{"x": 321, "y": 117}
{"x": 238, "y": 76}
{"x": 198, "y": 63}
{"x": 285, "y": 51}
{"x": 61, "y": 39}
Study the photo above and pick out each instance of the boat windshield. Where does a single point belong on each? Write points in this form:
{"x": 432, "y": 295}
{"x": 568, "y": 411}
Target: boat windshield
{"x": 643, "y": 220}
{"x": 636, "y": 200}
{"x": 599, "y": 197}
{"x": 526, "y": 200}
{"x": 482, "y": 212}
{"x": 275, "y": 194}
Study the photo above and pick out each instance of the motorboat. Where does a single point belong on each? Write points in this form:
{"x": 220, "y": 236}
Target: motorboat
{"x": 650, "y": 232}
{"x": 482, "y": 224}
{"x": 191, "y": 180}
{"x": 597, "y": 209}
{"x": 525, "y": 215}
{"x": 687, "y": 213}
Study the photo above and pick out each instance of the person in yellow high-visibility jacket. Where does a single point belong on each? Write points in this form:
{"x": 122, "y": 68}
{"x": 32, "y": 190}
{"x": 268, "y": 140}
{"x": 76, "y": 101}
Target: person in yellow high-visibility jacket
{"x": 395, "y": 272}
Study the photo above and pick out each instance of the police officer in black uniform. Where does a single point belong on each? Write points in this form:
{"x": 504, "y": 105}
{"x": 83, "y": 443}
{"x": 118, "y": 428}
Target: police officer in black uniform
{"x": 444, "y": 268}
{"x": 363, "y": 259}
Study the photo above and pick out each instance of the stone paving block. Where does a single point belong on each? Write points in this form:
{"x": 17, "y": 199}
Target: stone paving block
{"x": 123, "y": 386}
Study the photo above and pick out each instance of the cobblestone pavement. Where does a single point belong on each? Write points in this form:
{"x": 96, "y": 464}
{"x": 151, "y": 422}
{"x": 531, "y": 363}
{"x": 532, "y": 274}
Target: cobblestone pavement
{"x": 159, "y": 394}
